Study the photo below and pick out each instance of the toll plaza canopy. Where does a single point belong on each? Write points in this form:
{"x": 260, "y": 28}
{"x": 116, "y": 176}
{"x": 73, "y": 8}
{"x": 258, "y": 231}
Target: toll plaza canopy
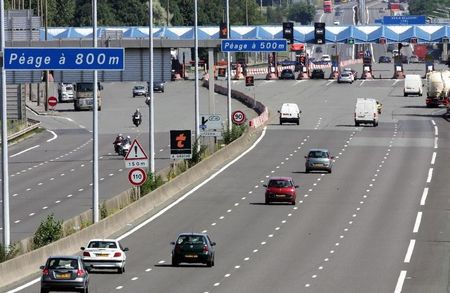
{"x": 302, "y": 34}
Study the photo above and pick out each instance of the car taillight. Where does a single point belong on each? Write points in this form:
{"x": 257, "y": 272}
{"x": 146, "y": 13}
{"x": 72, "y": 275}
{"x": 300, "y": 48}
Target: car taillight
{"x": 85, "y": 253}
{"x": 205, "y": 248}
{"x": 80, "y": 273}
{"x": 117, "y": 254}
{"x": 45, "y": 272}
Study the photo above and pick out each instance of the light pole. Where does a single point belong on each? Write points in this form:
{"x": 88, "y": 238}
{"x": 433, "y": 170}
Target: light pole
{"x": 196, "y": 102}
{"x": 228, "y": 69}
{"x": 95, "y": 185}
{"x": 151, "y": 103}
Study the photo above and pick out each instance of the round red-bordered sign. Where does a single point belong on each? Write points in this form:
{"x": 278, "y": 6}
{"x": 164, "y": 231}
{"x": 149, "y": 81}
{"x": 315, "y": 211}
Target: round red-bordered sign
{"x": 137, "y": 176}
{"x": 238, "y": 117}
{"x": 52, "y": 101}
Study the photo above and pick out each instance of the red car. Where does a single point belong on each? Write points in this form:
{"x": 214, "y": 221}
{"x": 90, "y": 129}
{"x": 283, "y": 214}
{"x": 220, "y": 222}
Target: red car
{"x": 281, "y": 189}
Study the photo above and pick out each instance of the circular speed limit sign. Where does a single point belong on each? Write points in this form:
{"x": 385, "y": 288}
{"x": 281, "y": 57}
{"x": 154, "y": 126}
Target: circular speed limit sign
{"x": 238, "y": 117}
{"x": 137, "y": 176}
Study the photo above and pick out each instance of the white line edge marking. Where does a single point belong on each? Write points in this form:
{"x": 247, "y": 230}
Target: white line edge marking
{"x": 433, "y": 158}
{"x": 401, "y": 279}
{"x": 424, "y": 196}
{"x": 410, "y": 250}
{"x": 436, "y": 132}
{"x": 417, "y": 223}
{"x": 432, "y": 122}
{"x": 24, "y": 151}
{"x": 435, "y": 142}
{"x": 430, "y": 175}
{"x": 54, "y": 136}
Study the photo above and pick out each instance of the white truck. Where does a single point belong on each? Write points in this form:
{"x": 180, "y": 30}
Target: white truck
{"x": 438, "y": 87}
{"x": 84, "y": 93}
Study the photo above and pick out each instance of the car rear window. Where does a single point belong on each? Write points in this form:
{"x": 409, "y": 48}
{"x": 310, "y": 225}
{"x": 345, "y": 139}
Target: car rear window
{"x": 318, "y": 154}
{"x": 62, "y": 263}
{"x": 102, "y": 244}
{"x": 191, "y": 239}
{"x": 280, "y": 183}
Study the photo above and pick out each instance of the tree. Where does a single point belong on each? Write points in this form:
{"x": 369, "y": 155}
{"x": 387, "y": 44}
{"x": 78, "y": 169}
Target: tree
{"x": 302, "y": 12}
{"x": 274, "y": 15}
{"x": 64, "y": 13}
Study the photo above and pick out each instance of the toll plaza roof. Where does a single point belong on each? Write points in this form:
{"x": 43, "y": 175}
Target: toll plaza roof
{"x": 302, "y": 34}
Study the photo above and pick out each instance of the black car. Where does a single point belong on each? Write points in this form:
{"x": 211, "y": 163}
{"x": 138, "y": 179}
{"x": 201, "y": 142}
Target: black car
{"x": 317, "y": 74}
{"x": 64, "y": 273}
{"x": 158, "y": 86}
{"x": 287, "y": 74}
{"x": 384, "y": 59}
{"x": 193, "y": 248}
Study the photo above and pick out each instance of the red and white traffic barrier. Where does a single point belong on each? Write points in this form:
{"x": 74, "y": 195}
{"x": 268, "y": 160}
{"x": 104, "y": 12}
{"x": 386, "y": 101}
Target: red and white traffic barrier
{"x": 260, "y": 120}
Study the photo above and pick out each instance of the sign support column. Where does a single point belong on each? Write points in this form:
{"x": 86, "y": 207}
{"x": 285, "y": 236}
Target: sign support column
{"x": 228, "y": 71}
{"x": 95, "y": 208}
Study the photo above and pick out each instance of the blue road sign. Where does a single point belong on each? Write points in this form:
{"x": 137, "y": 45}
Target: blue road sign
{"x": 254, "y": 45}
{"x": 64, "y": 59}
{"x": 404, "y": 19}
{"x": 378, "y": 21}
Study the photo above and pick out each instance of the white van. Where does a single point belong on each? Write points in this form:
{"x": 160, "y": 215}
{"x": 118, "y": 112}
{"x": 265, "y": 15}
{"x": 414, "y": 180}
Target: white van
{"x": 413, "y": 85}
{"x": 289, "y": 112}
{"x": 366, "y": 112}
{"x": 65, "y": 92}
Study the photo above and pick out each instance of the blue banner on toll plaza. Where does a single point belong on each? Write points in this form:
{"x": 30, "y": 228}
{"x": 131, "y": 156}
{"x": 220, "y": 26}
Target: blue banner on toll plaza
{"x": 254, "y": 45}
{"x": 64, "y": 59}
{"x": 404, "y": 19}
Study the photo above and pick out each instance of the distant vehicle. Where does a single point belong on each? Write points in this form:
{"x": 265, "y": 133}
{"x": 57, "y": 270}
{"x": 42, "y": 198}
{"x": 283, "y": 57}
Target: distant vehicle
{"x": 318, "y": 160}
{"x": 287, "y": 74}
{"x": 327, "y": 6}
{"x": 381, "y": 10}
{"x": 391, "y": 47}
{"x": 290, "y": 113}
{"x": 366, "y": 112}
{"x": 413, "y": 85}
{"x": 139, "y": 90}
{"x": 193, "y": 248}
{"x": 84, "y": 93}
{"x": 395, "y": 52}
{"x": 65, "y": 92}
{"x": 438, "y": 87}
{"x": 64, "y": 273}
{"x": 318, "y": 50}
{"x": 352, "y": 72}
{"x": 384, "y": 59}
{"x": 336, "y": 22}
{"x": 345, "y": 77}
{"x": 317, "y": 74}
{"x": 326, "y": 58}
{"x": 421, "y": 51}
{"x": 158, "y": 86}
{"x": 414, "y": 59}
{"x": 280, "y": 189}
{"x": 105, "y": 254}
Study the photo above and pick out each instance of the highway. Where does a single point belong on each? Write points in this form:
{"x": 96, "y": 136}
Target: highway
{"x": 378, "y": 223}
{"x": 51, "y": 172}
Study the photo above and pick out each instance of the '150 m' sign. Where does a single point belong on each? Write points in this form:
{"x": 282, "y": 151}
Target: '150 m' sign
{"x": 64, "y": 59}
{"x": 254, "y": 45}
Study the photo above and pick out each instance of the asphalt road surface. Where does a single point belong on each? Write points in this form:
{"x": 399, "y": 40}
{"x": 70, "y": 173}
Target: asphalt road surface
{"x": 377, "y": 223}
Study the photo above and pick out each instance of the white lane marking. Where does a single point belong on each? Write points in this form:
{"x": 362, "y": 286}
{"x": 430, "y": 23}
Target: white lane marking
{"x": 433, "y": 158}
{"x": 436, "y": 132}
{"x": 119, "y": 287}
{"x": 424, "y": 196}
{"x": 432, "y": 122}
{"x": 54, "y": 136}
{"x": 417, "y": 223}
{"x": 401, "y": 279}
{"x": 410, "y": 250}
{"x": 430, "y": 175}
{"x": 330, "y": 82}
{"x": 362, "y": 82}
{"x": 395, "y": 82}
{"x": 31, "y": 214}
{"x": 134, "y": 278}
{"x": 24, "y": 151}
{"x": 435, "y": 142}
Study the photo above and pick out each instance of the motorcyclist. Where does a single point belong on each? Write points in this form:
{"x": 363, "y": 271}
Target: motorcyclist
{"x": 117, "y": 142}
{"x": 127, "y": 140}
{"x": 137, "y": 117}
{"x": 379, "y": 107}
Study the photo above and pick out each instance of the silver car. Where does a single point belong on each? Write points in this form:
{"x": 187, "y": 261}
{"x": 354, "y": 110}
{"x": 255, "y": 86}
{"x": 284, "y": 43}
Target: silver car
{"x": 345, "y": 77}
{"x": 318, "y": 160}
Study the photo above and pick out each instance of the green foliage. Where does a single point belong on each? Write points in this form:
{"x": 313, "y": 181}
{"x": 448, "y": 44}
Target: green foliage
{"x": 235, "y": 133}
{"x": 274, "y": 15}
{"x": 197, "y": 154}
{"x": 8, "y": 253}
{"x": 151, "y": 183}
{"x": 103, "y": 211}
{"x": 48, "y": 231}
{"x": 302, "y": 12}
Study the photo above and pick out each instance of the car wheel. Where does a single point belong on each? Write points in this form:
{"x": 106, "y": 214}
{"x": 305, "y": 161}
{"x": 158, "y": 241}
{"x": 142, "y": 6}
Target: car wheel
{"x": 175, "y": 262}
{"x": 134, "y": 96}
{"x": 405, "y": 94}
{"x": 281, "y": 122}
{"x": 307, "y": 170}
{"x": 121, "y": 270}
{"x": 293, "y": 202}
{"x": 298, "y": 121}
{"x": 329, "y": 170}
{"x": 44, "y": 290}
{"x": 267, "y": 201}
{"x": 209, "y": 263}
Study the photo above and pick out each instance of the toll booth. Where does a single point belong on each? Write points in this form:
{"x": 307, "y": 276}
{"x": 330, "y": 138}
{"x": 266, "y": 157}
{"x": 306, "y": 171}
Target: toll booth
{"x": 367, "y": 72}
{"x": 334, "y": 67}
{"x": 429, "y": 64}
{"x": 398, "y": 71}
{"x": 272, "y": 71}
{"x": 304, "y": 73}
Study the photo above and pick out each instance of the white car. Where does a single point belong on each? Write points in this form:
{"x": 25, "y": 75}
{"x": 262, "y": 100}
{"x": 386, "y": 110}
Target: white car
{"x": 336, "y": 22}
{"x": 326, "y": 58}
{"x": 345, "y": 77}
{"x": 104, "y": 254}
{"x": 351, "y": 72}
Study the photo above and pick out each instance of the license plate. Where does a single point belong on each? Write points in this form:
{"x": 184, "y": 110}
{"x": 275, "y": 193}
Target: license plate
{"x": 63, "y": 276}
{"x": 102, "y": 254}
{"x": 89, "y": 102}
{"x": 280, "y": 195}
{"x": 191, "y": 256}
{"x": 318, "y": 164}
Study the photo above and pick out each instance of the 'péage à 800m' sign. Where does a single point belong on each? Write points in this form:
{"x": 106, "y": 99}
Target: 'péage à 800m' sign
{"x": 64, "y": 59}
{"x": 254, "y": 45}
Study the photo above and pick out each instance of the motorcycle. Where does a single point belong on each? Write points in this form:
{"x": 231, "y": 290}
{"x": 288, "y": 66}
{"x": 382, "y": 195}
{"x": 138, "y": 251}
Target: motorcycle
{"x": 137, "y": 119}
{"x": 124, "y": 148}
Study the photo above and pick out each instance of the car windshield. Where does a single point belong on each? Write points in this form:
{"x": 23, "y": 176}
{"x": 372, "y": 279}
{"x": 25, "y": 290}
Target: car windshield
{"x": 63, "y": 263}
{"x": 318, "y": 154}
{"x": 102, "y": 244}
{"x": 344, "y": 74}
{"x": 85, "y": 87}
{"x": 280, "y": 183}
{"x": 191, "y": 239}
{"x": 139, "y": 87}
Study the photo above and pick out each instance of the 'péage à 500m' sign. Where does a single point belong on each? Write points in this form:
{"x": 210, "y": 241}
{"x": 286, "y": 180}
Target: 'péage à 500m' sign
{"x": 254, "y": 45}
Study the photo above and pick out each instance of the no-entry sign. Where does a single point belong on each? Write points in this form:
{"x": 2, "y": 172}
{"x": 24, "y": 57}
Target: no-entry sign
{"x": 52, "y": 101}
{"x": 137, "y": 176}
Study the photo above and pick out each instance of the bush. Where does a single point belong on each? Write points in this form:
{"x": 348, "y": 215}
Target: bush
{"x": 197, "y": 154}
{"x": 48, "y": 231}
{"x": 8, "y": 253}
{"x": 235, "y": 133}
{"x": 151, "y": 183}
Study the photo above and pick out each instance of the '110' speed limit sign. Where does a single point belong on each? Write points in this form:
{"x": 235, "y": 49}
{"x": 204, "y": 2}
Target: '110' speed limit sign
{"x": 137, "y": 176}
{"x": 238, "y": 117}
